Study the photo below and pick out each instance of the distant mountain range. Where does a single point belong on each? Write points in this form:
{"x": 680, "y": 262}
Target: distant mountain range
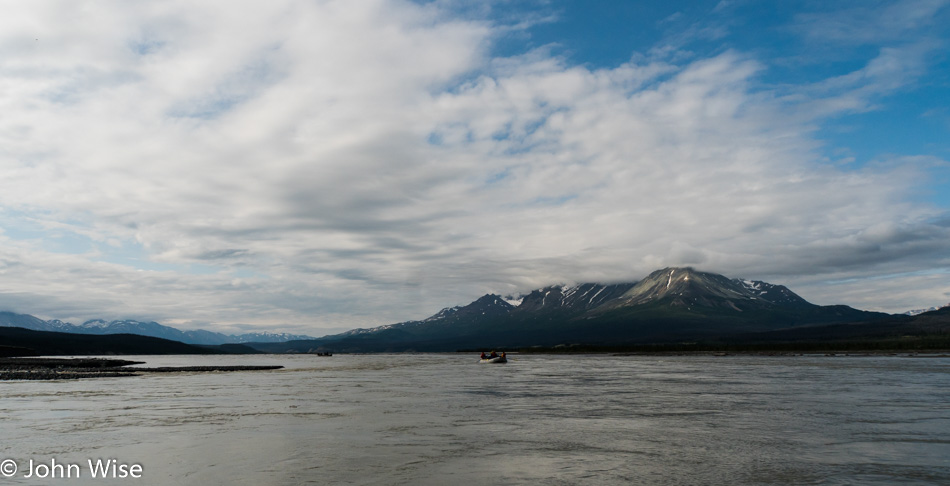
{"x": 669, "y": 305}
{"x": 152, "y": 329}
{"x": 17, "y": 341}
{"x": 672, "y": 305}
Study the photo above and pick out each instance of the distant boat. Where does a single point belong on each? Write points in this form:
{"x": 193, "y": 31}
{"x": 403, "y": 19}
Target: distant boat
{"x": 499, "y": 359}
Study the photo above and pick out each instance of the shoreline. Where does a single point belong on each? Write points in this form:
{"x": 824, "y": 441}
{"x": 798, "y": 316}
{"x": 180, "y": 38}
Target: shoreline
{"x": 37, "y": 369}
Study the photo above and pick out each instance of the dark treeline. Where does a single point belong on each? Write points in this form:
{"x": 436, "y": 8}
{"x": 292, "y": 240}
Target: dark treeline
{"x": 15, "y": 341}
{"x": 913, "y": 344}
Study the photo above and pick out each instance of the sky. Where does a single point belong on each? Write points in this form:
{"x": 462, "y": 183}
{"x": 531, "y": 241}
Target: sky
{"x": 316, "y": 166}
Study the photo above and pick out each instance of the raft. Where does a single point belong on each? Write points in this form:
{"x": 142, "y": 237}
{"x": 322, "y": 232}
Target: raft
{"x": 500, "y": 359}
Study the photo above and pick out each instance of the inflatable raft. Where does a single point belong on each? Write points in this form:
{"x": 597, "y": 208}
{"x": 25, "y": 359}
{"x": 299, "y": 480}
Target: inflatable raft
{"x": 500, "y": 359}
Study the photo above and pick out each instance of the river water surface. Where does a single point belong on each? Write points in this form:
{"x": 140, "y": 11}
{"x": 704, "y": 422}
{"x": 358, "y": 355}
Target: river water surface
{"x": 445, "y": 419}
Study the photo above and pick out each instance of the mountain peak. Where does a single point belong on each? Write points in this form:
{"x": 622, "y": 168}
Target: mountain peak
{"x": 688, "y": 287}
{"x": 487, "y": 305}
{"x": 490, "y": 300}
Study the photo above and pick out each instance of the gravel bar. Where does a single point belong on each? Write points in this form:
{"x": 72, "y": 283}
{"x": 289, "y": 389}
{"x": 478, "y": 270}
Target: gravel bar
{"x": 76, "y": 368}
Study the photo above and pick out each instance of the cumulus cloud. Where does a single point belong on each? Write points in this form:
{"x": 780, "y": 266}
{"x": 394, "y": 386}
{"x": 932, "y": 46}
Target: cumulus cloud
{"x": 317, "y": 165}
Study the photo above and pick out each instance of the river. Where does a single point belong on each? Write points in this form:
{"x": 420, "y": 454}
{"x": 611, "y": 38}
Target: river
{"x": 439, "y": 419}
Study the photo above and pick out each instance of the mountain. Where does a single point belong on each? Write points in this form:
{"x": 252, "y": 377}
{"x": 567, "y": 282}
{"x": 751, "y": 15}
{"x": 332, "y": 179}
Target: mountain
{"x": 669, "y": 305}
{"x": 915, "y": 312}
{"x": 18, "y": 341}
{"x": 926, "y": 330}
{"x": 672, "y": 305}
{"x": 685, "y": 287}
{"x": 10, "y": 319}
{"x": 152, "y": 329}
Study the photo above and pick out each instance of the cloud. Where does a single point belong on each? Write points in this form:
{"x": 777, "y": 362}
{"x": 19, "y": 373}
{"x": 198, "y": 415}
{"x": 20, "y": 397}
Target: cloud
{"x": 859, "y": 90}
{"x": 861, "y": 22}
{"x": 327, "y": 165}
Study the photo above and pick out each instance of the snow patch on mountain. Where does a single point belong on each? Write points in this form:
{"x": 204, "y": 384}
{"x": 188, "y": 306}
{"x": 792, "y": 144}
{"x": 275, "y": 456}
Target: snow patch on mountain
{"x": 915, "y": 312}
{"x": 95, "y": 324}
{"x": 753, "y": 286}
{"x": 442, "y": 314}
{"x": 514, "y": 301}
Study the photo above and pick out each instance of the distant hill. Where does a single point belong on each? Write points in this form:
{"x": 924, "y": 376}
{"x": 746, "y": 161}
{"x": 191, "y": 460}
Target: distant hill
{"x": 925, "y": 331}
{"x": 25, "y": 342}
{"x": 669, "y": 305}
{"x": 153, "y": 329}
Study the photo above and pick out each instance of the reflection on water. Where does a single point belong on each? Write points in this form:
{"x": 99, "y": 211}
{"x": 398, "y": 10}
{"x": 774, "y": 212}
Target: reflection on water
{"x": 439, "y": 419}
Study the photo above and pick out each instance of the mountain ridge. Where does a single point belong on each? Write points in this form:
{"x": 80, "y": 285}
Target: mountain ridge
{"x": 673, "y": 304}
{"x": 669, "y": 305}
{"x": 141, "y": 328}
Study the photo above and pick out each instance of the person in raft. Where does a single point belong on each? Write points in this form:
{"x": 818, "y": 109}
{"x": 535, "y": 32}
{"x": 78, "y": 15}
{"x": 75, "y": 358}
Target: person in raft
{"x": 493, "y": 355}
{"x": 484, "y": 356}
